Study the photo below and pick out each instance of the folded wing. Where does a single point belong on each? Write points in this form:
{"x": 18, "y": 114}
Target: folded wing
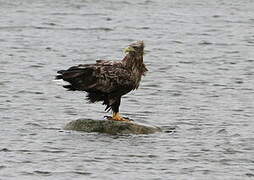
{"x": 104, "y": 77}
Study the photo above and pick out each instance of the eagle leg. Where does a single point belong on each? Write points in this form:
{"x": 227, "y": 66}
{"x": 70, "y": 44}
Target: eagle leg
{"x": 116, "y": 114}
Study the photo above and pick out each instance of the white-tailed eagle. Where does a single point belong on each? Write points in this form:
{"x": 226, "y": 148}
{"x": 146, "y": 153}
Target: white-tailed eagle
{"x": 108, "y": 81}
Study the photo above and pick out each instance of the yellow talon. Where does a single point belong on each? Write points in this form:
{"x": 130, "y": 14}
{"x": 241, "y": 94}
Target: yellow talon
{"x": 117, "y": 117}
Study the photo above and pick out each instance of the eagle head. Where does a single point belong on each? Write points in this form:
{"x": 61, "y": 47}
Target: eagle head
{"x": 135, "y": 48}
{"x": 134, "y": 57}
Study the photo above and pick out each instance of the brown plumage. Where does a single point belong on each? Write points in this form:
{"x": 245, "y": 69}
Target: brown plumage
{"x": 108, "y": 81}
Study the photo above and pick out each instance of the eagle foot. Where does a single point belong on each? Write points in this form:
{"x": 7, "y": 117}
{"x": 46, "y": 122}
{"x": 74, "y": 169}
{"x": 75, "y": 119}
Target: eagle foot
{"x": 117, "y": 117}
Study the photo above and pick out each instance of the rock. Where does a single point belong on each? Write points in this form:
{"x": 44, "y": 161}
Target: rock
{"x": 110, "y": 127}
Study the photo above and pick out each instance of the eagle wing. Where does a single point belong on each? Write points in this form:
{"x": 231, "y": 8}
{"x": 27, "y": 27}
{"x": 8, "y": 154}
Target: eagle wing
{"x": 104, "y": 77}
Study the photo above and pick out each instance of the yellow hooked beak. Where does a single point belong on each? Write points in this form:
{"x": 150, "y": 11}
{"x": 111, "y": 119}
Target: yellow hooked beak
{"x": 129, "y": 49}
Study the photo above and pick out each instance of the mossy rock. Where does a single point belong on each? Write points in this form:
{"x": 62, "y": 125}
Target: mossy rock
{"x": 110, "y": 127}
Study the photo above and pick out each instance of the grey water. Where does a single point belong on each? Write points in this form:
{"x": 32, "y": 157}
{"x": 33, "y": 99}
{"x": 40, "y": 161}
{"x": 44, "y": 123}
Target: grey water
{"x": 199, "y": 89}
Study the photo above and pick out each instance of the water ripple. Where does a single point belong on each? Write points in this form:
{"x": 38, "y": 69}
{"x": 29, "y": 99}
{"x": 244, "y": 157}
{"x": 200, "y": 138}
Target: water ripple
{"x": 199, "y": 89}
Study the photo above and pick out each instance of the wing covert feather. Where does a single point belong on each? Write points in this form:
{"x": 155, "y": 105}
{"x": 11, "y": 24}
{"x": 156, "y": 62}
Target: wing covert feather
{"x": 111, "y": 78}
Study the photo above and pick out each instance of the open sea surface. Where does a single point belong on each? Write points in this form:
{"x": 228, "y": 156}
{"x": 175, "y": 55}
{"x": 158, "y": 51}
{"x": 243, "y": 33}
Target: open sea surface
{"x": 199, "y": 89}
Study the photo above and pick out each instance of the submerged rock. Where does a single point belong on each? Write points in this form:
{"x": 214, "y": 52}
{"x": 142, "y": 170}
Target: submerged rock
{"x": 110, "y": 127}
